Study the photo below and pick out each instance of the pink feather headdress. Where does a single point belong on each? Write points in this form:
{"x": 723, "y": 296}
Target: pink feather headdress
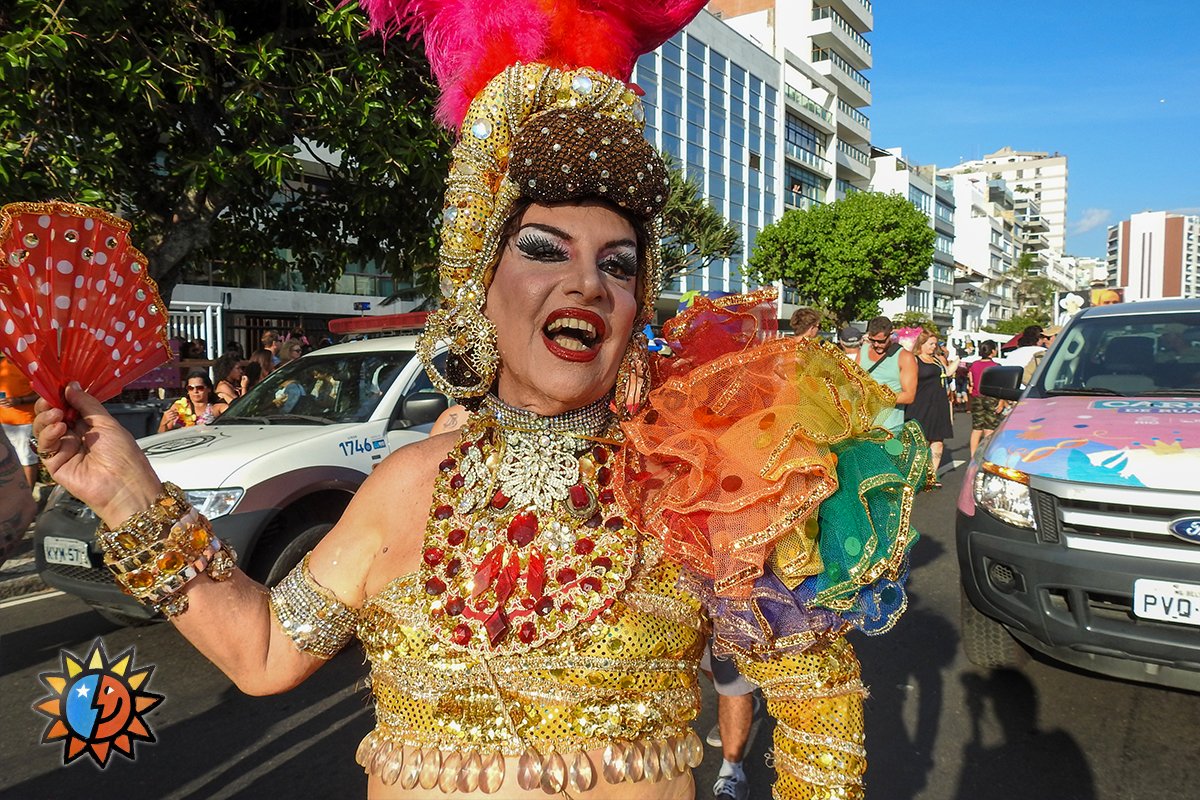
{"x": 469, "y": 42}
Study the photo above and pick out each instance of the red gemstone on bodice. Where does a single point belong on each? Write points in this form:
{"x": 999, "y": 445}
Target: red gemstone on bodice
{"x": 443, "y": 512}
{"x": 584, "y": 546}
{"x": 497, "y": 626}
{"x": 456, "y": 536}
{"x": 565, "y": 575}
{"x": 499, "y": 500}
{"x": 579, "y": 496}
{"x": 544, "y": 606}
{"x": 600, "y": 453}
{"x": 453, "y": 567}
{"x": 603, "y": 562}
{"x": 535, "y": 575}
{"x": 462, "y": 633}
{"x": 457, "y": 481}
{"x": 487, "y": 570}
{"x": 433, "y": 555}
{"x": 455, "y": 606}
{"x": 523, "y": 528}
{"x": 435, "y": 586}
{"x": 607, "y": 496}
{"x": 591, "y": 583}
{"x": 447, "y": 465}
{"x": 603, "y": 476}
{"x": 527, "y": 632}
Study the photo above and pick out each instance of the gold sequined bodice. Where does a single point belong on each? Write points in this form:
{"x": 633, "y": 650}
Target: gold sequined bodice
{"x": 629, "y": 675}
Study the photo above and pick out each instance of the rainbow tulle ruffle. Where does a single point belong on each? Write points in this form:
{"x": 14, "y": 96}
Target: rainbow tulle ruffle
{"x": 756, "y": 464}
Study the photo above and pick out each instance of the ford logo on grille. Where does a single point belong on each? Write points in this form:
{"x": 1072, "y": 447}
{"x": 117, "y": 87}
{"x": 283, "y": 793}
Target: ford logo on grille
{"x": 1186, "y": 528}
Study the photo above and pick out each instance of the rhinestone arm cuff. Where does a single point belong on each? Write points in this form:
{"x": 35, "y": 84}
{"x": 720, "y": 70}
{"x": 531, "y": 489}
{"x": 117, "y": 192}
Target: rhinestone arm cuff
{"x": 816, "y": 699}
{"x": 316, "y": 621}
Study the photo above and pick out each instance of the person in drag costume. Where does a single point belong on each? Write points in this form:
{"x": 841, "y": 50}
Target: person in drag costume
{"x": 533, "y": 591}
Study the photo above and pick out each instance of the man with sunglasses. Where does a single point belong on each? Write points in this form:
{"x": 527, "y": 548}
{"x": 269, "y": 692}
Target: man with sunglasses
{"x": 891, "y": 365}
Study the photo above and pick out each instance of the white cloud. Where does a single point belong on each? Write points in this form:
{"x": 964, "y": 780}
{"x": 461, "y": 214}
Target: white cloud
{"x": 1091, "y": 219}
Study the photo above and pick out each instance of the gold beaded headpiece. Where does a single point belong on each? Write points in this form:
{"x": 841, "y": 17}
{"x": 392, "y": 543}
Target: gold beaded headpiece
{"x": 543, "y": 134}
{"x": 537, "y": 91}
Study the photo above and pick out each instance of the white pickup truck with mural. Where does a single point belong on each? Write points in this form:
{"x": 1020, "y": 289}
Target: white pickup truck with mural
{"x": 1078, "y": 526}
{"x": 273, "y": 473}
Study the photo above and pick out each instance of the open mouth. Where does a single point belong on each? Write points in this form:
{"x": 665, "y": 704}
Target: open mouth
{"x": 574, "y": 334}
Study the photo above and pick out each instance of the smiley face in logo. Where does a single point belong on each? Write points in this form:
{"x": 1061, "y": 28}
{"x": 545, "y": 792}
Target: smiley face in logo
{"x": 96, "y": 706}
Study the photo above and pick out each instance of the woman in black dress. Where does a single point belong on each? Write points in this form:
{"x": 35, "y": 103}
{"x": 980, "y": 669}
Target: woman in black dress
{"x": 930, "y": 407}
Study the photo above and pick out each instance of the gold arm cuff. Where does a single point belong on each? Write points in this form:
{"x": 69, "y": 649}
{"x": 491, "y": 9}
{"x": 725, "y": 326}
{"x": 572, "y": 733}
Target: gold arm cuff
{"x": 316, "y": 621}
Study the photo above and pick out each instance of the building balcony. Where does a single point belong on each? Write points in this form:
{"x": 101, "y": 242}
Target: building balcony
{"x": 855, "y": 161}
{"x": 1034, "y": 222}
{"x": 793, "y": 199}
{"x": 852, "y": 124}
{"x": 858, "y": 12}
{"x": 808, "y": 109}
{"x": 830, "y": 29}
{"x": 808, "y": 159}
{"x": 850, "y": 82}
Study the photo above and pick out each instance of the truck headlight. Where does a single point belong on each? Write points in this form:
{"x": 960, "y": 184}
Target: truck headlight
{"x": 1004, "y": 493}
{"x": 214, "y": 503}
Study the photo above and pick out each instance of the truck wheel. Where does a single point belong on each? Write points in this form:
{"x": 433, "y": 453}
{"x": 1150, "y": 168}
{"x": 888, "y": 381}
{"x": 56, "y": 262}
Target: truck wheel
{"x": 986, "y": 642}
{"x": 281, "y": 555}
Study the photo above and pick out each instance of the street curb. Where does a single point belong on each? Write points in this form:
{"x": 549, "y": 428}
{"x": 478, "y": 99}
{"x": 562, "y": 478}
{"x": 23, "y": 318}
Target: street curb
{"x": 22, "y": 585}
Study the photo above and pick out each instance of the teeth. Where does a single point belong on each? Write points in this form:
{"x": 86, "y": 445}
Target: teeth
{"x": 575, "y": 324}
{"x": 569, "y": 343}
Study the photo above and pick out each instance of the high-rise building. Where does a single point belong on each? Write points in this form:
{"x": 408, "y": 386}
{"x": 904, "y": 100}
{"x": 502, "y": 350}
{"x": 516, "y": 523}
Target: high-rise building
{"x": 934, "y": 296}
{"x": 712, "y": 103}
{"x": 1038, "y": 176}
{"x": 1155, "y": 254}
{"x": 761, "y": 102}
{"x": 823, "y": 52}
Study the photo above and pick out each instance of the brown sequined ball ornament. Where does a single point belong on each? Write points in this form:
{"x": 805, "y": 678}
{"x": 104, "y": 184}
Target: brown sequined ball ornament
{"x": 568, "y": 154}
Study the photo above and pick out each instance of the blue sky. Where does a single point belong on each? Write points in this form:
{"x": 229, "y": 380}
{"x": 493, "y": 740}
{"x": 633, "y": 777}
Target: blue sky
{"x": 1113, "y": 86}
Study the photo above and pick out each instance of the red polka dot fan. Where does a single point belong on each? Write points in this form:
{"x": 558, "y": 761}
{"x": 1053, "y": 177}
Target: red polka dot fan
{"x": 76, "y": 303}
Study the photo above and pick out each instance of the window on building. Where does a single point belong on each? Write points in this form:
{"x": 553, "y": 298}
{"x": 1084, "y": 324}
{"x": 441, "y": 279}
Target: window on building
{"x": 755, "y": 161}
{"x": 799, "y": 133}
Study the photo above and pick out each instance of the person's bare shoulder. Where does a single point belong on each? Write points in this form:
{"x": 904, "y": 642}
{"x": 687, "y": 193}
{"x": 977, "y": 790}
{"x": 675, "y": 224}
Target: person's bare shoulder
{"x": 380, "y": 532}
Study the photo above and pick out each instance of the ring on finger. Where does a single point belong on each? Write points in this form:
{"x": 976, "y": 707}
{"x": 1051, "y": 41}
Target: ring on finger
{"x": 43, "y": 455}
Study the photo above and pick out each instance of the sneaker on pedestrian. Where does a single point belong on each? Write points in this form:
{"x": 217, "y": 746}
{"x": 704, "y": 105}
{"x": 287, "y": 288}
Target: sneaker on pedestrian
{"x": 713, "y": 738}
{"x": 732, "y": 787}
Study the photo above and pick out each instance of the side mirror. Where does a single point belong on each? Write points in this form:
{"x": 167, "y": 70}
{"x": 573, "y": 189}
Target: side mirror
{"x": 1001, "y": 382}
{"x": 419, "y": 408}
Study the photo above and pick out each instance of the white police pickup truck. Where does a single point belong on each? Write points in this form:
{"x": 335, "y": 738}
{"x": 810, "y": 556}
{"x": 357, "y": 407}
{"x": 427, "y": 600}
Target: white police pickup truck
{"x": 273, "y": 473}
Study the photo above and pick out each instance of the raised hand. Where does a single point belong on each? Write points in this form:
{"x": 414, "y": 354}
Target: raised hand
{"x": 94, "y": 458}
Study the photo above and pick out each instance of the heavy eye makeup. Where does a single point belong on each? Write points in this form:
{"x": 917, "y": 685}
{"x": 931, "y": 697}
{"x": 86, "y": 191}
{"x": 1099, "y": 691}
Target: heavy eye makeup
{"x": 539, "y": 247}
{"x": 622, "y": 264}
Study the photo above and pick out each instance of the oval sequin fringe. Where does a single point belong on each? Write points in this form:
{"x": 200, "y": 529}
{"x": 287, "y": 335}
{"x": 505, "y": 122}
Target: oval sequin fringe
{"x": 452, "y": 770}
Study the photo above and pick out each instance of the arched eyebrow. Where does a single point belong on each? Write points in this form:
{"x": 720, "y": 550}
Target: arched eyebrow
{"x": 561, "y": 234}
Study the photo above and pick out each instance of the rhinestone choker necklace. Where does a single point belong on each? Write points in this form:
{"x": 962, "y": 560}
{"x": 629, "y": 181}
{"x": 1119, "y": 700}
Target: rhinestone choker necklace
{"x": 591, "y": 421}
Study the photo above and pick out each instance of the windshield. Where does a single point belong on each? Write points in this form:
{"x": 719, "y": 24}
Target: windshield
{"x": 320, "y": 389}
{"x": 1125, "y": 356}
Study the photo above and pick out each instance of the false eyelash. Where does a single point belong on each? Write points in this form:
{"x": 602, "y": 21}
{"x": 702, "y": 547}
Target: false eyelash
{"x": 627, "y": 262}
{"x": 541, "y": 248}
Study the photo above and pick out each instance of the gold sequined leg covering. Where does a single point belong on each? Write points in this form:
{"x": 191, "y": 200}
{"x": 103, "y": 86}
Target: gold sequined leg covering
{"x": 817, "y": 700}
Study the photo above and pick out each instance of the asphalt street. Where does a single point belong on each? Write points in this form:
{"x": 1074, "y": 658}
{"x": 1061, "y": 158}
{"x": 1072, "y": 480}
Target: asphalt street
{"x": 938, "y": 728}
